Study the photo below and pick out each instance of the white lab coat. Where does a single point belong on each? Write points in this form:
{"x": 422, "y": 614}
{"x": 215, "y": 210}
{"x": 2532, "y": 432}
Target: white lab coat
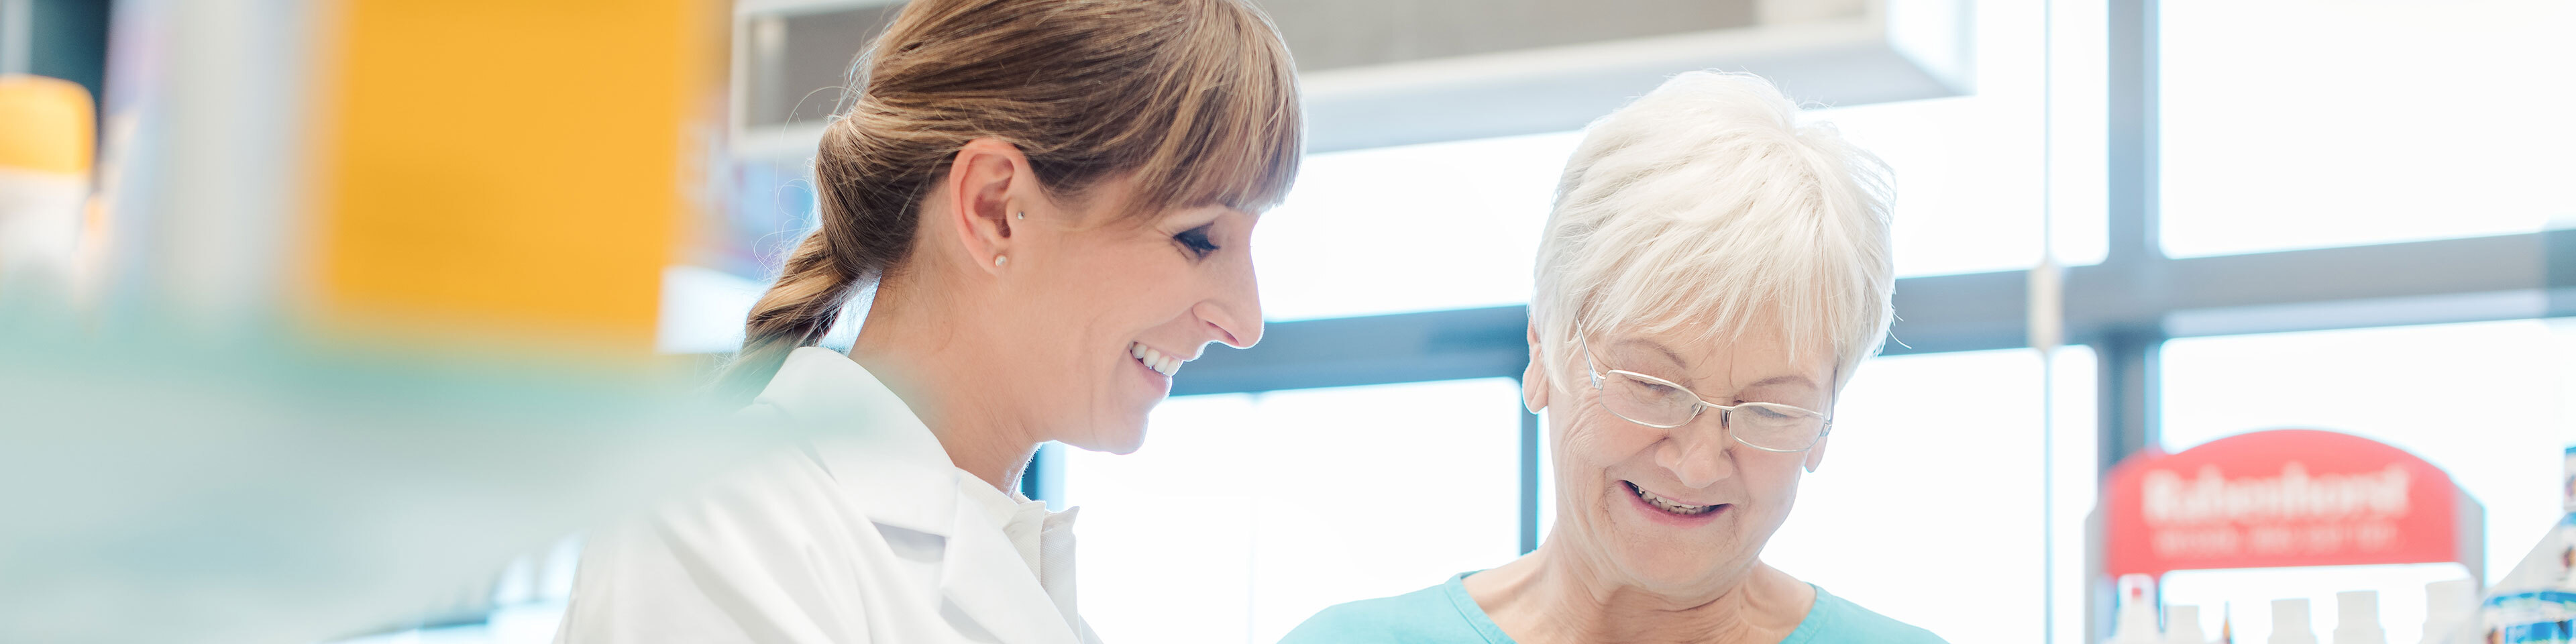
{"x": 867, "y": 533}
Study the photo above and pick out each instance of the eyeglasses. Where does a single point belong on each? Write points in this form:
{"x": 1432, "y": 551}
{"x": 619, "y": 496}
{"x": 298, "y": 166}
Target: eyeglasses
{"x": 1659, "y": 403}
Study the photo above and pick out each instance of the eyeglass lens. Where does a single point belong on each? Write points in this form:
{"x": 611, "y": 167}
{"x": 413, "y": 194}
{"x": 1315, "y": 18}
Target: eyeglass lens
{"x": 1655, "y": 403}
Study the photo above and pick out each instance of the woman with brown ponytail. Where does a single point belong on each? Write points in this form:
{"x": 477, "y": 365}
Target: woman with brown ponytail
{"x": 1048, "y": 204}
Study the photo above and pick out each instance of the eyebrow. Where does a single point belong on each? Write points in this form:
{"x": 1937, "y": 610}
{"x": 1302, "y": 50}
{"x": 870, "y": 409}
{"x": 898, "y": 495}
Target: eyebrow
{"x": 1782, "y": 380}
{"x": 1785, "y": 379}
{"x": 1657, "y": 346}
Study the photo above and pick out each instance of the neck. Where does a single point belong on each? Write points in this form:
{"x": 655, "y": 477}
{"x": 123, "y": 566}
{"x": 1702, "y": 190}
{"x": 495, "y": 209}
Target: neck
{"x": 1557, "y": 594}
{"x": 915, "y": 348}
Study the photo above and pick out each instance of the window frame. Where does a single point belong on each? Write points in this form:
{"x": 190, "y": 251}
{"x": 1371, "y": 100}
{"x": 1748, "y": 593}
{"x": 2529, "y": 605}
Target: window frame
{"x": 2124, "y": 308}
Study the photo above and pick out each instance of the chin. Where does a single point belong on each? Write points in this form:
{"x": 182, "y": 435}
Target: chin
{"x": 1672, "y": 569}
{"x": 1122, "y": 436}
{"x": 1122, "y": 446}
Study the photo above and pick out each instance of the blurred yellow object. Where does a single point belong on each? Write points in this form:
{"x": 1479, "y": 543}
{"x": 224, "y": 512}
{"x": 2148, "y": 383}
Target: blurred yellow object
{"x": 46, "y": 125}
{"x": 306, "y": 405}
{"x": 47, "y": 138}
{"x": 509, "y": 171}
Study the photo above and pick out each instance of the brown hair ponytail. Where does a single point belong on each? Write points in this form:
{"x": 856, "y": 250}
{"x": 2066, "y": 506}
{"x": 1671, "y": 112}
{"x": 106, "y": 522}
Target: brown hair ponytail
{"x": 1196, "y": 98}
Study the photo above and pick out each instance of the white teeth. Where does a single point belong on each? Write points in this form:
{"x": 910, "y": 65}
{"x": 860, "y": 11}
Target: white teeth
{"x": 1667, "y": 506}
{"x": 1155, "y": 360}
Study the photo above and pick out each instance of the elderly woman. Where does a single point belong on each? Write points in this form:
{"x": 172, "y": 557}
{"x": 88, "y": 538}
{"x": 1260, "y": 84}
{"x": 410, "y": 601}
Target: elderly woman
{"x": 1712, "y": 274}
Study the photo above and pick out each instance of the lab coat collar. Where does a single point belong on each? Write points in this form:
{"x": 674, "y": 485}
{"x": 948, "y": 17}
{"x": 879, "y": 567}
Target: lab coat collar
{"x": 884, "y": 458}
{"x": 891, "y": 466}
{"x": 1014, "y": 612}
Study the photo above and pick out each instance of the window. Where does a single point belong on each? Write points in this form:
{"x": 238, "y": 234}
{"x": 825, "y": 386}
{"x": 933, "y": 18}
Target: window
{"x": 1467, "y": 215}
{"x": 1244, "y": 514}
{"x": 1905, "y": 475}
{"x": 1369, "y": 231}
{"x": 1973, "y": 175}
{"x": 1967, "y": 180}
{"x": 2307, "y": 123}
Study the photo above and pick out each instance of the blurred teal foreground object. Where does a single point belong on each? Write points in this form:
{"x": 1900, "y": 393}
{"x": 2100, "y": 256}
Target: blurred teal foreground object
{"x": 159, "y": 485}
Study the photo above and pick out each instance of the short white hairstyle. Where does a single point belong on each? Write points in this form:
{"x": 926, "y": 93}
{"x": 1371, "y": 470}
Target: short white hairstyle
{"x": 1705, "y": 203}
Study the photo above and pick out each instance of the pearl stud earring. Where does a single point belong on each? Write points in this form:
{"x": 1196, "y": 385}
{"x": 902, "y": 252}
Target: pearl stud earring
{"x": 1023, "y": 215}
{"x": 999, "y": 260}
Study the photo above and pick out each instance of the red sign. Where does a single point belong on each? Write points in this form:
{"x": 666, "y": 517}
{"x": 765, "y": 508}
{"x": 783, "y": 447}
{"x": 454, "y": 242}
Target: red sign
{"x": 2290, "y": 497}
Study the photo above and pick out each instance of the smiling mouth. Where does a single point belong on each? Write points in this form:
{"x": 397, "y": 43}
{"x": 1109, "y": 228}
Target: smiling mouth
{"x": 1155, "y": 360}
{"x": 1668, "y": 506}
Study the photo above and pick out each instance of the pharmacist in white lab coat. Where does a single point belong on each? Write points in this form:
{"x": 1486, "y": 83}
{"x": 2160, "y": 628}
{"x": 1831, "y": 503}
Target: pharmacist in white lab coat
{"x": 1047, "y": 207}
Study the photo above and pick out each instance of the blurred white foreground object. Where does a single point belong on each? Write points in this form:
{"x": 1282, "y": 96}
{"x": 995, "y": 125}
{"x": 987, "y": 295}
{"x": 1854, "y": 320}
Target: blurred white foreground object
{"x": 163, "y": 488}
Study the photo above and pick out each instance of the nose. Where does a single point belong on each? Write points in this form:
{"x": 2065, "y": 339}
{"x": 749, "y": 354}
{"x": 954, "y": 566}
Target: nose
{"x": 1233, "y": 311}
{"x": 1696, "y": 456}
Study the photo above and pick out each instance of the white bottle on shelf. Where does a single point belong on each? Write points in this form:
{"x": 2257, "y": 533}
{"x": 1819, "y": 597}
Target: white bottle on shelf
{"x": 2451, "y": 612}
{"x": 2290, "y": 623}
{"x": 2182, "y": 625}
{"x": 2136, "y": 621}
{"x": 2357, "y": 618}
{"x": 2136, "y": 625}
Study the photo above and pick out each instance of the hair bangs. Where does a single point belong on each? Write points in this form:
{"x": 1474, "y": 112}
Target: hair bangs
{"x": 1238, "y": 135}
{"x": 1747, "y": 256}
{"x": 1705, "y": 207}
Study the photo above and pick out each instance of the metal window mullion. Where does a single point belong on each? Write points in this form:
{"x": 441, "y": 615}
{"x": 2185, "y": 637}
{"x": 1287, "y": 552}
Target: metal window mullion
{"x": 1529, "y": 475}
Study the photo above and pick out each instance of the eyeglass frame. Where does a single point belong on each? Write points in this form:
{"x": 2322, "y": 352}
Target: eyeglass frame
{"x": 1592, "y": 368}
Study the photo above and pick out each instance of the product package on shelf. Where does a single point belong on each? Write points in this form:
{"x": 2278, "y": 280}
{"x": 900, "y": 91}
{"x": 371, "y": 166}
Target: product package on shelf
{"x": 2536, "y": 601}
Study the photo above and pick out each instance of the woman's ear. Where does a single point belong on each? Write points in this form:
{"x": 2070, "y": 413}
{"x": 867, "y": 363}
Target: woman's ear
{"x": 1534, "y": 380}
{"x": 987, "y": 182}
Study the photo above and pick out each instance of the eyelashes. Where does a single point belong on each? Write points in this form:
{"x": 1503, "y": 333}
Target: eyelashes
{"x": 1196, "y": 241}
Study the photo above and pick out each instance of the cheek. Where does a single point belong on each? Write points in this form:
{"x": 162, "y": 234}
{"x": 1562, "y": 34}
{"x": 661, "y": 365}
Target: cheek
{"x": 1772, "y": 479}
{"x": 1094, "y": 301}
{"x": 1131, "y": 285}
{"x": 1594, "y": 445}
{"x": 1111, "y": 298}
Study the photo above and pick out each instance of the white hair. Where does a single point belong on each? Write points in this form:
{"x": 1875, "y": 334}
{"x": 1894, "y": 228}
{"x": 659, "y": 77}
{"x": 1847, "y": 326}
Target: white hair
{"x": 1704, "y": 203}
